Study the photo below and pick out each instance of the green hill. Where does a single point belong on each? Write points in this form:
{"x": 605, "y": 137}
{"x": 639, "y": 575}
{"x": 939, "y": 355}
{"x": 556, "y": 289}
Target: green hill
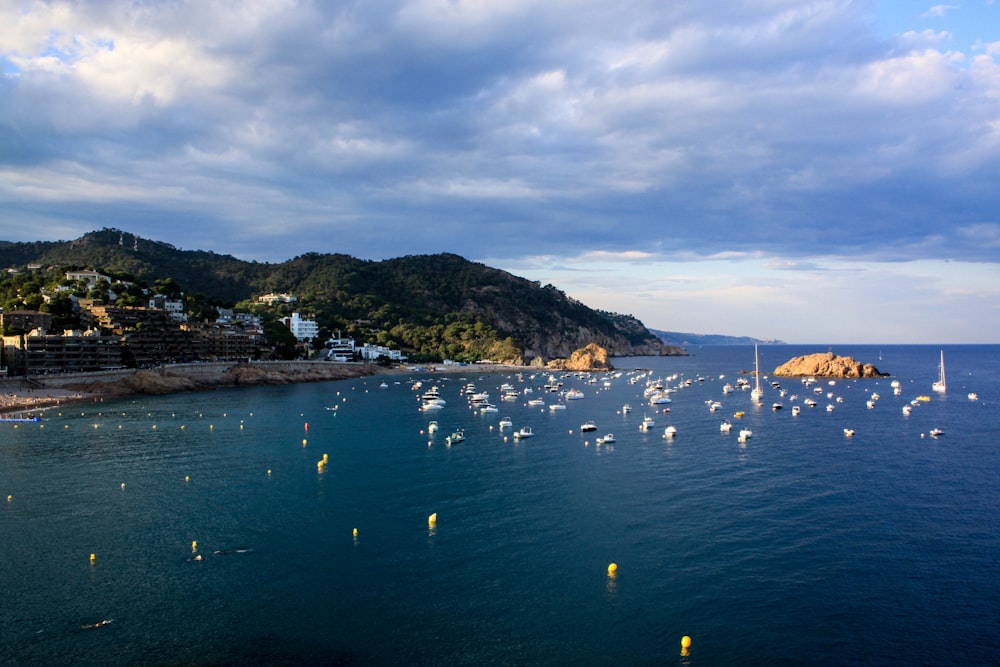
{"x": 433, "y": 306}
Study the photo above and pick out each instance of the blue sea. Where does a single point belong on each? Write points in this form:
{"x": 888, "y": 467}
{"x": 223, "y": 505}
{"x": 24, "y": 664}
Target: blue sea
{"x": 220, "y": 539}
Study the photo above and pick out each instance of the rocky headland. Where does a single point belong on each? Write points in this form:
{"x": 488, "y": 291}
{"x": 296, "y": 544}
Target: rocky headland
{"x": 592, "y": 357}
{"x": 827, "y": 365}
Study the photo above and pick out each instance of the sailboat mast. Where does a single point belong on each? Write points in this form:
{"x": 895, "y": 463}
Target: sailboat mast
{"x": 757, "y": 393}
{"x": 941, "y": 384}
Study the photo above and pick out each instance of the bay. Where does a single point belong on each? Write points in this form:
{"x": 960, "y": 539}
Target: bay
{"x": 798, "y": 546}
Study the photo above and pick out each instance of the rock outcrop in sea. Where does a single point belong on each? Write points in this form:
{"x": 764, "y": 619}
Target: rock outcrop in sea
{"x": 827, "y": 365}
{"x": 593, "y": 357}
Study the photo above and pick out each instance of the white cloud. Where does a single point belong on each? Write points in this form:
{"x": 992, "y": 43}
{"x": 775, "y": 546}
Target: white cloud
{"x": 736, "y": 136}
{"x": 938, "y": 11}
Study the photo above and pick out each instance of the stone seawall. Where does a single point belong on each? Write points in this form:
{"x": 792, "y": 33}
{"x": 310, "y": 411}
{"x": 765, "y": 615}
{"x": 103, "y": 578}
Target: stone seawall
{"x": 195, "y": 377}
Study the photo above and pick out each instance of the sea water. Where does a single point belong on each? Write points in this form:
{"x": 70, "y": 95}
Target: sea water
{"x": 219, "y": 537}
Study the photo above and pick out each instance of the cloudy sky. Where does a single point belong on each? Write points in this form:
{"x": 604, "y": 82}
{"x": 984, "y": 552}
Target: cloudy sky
{"x": 815, "y": 171}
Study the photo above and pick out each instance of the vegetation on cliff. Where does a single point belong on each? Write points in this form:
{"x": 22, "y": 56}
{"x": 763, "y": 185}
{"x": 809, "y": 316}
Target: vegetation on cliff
{"x": 432, "y": 306}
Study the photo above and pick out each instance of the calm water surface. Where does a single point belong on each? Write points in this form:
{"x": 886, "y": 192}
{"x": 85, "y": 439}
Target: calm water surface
{"x": 799, "y": 546}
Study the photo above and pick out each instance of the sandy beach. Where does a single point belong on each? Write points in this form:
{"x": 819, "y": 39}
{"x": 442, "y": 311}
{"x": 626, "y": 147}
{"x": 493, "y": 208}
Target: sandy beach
{"x": 30, "y": 401}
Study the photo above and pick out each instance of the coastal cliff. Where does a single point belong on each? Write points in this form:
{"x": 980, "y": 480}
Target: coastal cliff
{"x": 827, "y": 365}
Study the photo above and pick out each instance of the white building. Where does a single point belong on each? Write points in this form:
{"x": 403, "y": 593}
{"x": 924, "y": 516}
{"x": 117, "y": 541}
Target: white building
{"x": 272, "y": 298}
{"x": 300, "y": 328}
{"x": 340, "y": 349}
{"x": 371, "y": 352}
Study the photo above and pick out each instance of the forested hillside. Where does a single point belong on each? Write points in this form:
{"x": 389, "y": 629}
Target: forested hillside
{"x": 433, "y": 306}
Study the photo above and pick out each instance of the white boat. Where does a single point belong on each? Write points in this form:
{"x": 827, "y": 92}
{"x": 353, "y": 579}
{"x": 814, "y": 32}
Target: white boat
{"x": 535, "y": 402}
{"x": 525, "y": 432}
{"x": 506, "y": 423}
{"x": 795, "y": 410}
{"x": 849, "y": 432}
{"x": 573, "y": 395}
{"x": 907, "y": 409}
{"x": 745, "y": 434}
{"x": 941, "y": 384}
{"x": 973, "y": 396}
{"x": 647, "y": 423}
{"x": 588, "y": 426}
{"x": 607, "y": 439}
{"x": 557, "y": 406}
{"x": 757, "y": 394}
{"x": 725, "y": 427}
{"x": 431, "y": 406}
{"x": 776, "y": 406}
{"x": 670, "y": 431}
{"x": 935, "y": 432}
{"x": 455, "y": 438}
{"x": 626, "y": 409}
{"x": 433, "y": 395}
{"x": 488, "y": 408}
{"x": 432, "y": 427}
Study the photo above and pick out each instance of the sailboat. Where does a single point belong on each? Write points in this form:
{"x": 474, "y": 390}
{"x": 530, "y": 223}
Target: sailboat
{"x": 940, "y": 385}
{"x": 757, "y": 394}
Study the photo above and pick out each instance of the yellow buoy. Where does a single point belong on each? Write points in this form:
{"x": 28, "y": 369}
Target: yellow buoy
{"x": 685, "y": 644}
{"x": 355, "y": 532}
{"x": 187, "y": 478}
{"x": 93, "y": 557}
{"x": 10, "y": 498}
{"x": 268, "y": 472}
{"x": 432, "y": 519}
{"x": 613, "y": 569}
{"x": 304, "y": 441}
{"x": 123, "y": 486}
{"x": 194, "y": 545}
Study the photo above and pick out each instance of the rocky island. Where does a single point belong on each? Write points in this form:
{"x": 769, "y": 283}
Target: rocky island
{"x": 827, "y": 365}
